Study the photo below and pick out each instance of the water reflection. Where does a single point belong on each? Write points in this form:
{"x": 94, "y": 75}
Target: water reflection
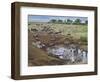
{"x": 71, "y": 54}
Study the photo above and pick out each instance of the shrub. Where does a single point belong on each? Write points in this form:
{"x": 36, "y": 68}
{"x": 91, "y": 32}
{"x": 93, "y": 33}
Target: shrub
{"x": 83, "y": 39}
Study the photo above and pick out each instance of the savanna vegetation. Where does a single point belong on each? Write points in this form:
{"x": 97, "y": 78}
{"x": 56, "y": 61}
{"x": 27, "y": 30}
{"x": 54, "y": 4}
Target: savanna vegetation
{"x": 54, "y": 32}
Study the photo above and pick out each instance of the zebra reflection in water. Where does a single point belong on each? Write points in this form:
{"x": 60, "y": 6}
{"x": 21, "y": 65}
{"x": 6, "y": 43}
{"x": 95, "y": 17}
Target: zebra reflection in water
{"x": 69, "y": 54}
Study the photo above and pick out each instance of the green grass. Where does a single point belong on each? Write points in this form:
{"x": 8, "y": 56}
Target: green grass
{"x": 76, "y": 31}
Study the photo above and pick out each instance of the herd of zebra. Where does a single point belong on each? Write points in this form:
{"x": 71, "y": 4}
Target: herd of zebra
{"x": 71, "y": 55}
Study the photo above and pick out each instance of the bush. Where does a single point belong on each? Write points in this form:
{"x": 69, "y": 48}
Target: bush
{"x": 83, "y": 39}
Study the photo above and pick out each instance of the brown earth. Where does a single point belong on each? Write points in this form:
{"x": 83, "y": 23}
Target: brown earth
{"x": 38, "y": 57}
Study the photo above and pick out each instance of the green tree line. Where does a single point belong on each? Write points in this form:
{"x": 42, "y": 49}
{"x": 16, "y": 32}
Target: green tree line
{"x": 68, "y": 21}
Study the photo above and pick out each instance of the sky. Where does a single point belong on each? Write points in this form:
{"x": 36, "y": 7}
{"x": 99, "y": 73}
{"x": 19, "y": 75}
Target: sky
{"x": 45, "y": 18}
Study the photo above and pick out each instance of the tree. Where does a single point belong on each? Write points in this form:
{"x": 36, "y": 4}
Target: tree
{"x": 86, "y": 22}
{"x": 53, "y": 21}
{"x": 69, "y": 21}
{"x": 77, "y": 21}
{"x": 59, "y": 21}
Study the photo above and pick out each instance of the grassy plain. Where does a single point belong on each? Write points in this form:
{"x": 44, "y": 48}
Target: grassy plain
{"x": 76, "y": 34}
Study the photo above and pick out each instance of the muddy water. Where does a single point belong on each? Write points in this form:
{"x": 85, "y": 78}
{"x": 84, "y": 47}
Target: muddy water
{"x": 71, "y": 54}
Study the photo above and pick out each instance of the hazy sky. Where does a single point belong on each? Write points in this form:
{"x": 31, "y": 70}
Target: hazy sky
{"x": 45, "y": 18}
